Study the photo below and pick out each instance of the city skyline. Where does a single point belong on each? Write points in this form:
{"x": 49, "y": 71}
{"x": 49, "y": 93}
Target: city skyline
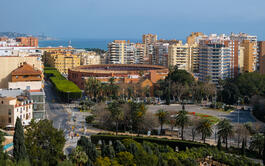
{"x": 120, "y": 19}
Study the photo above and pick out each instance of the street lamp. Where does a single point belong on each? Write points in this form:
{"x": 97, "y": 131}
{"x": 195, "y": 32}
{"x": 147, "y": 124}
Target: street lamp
{"x": 183, "y": 105}
{"x": 238, "y": 101}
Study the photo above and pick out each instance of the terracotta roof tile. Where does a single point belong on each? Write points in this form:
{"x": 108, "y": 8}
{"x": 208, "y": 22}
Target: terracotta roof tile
{"x": 26, "y": 69}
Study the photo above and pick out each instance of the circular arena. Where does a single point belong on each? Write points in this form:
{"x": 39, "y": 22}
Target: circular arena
{"x": 127, "y": 73}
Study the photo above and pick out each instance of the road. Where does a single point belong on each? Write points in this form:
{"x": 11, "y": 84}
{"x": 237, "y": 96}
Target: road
{"x": 60, "y": 114}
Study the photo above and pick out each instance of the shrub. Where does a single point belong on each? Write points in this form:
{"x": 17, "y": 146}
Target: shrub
{"x": 66, "y": 89}
{"x": 181, "y": 144}
{"x": 90, "y": 119}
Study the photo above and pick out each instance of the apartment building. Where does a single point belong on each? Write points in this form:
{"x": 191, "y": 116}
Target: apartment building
{"x": 125, "y": 52}
{"x": 30, "y": 80}
{"x": 214, "y": 60}
{"x": 191, "y": 39}
{"x": 139, "y": 53}
{"x": 89, "y": 58}
{"x": 185, "y": 56}
{"x": 261, "y": 54}
{"x": 10, "y": 63}
{"x": 160, "y": 54}
{"x": 19, "y": 42}
{"x": 249, "y": 42}
{"x": 62, "y": 59}
{"x": 149, "y": 41}
{"x": 13, "y": 107}
{"x": 28, "y": 41}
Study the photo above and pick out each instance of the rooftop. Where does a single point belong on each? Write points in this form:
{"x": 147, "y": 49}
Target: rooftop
{"x": 26, "y": 69}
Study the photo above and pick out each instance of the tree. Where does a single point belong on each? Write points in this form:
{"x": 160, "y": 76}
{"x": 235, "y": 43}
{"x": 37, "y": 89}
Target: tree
{"x": 256, "y": 143}
{"x": 118, "y": 147}
{"x": 93, "y": 88}
{"x": 19, "y": 151}
{"x": 78, "y": 156}
{"x": 194, "y": 123}
{"x": 230, "y": 93}
{"x": 44, "y": 143}
{"x": 103, "y": 161}
{"x": 225, "y": 129}
{"x": 89, "y": 148}
{"x": 171, "y": 122}
{"x": 116, "y": 113}
{"x": 107, "y": 151}
{"x": 162, "y": 117}
{"x": 219, "y": 143}
{"x": 113, "y": 88}
{"x": 89, "y": 119}
{"x": 178, "y": 89}
{"x": 125, "y": 159}
{"x": 65, "y": 163}
{"x": 137, "y": 111}
{"x": 182, "y": 120}
{"x": 205, "y": 128}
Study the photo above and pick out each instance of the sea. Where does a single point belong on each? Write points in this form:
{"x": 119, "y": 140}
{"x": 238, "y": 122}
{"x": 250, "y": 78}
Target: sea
{"x": 81, "y": 43}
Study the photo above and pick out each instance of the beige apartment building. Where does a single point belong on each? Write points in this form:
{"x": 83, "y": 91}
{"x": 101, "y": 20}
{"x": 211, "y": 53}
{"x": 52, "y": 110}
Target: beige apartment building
{"x": 185, "y": 56}
{"x": 191, "y": 39}
{"x": 250, "y": 57}
{"x": 10, "y": 63}
{"x": 11, "y": 108}
{"x": 149, "y": 38}
{"x": 62, "y": 60}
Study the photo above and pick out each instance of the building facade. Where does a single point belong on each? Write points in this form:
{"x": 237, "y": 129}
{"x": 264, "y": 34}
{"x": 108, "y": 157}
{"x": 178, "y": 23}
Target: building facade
{"x": 214, "y": 61}
{"x": 129, "y": 73}
{"x": 10, "y": 63}
{"x": 261, "y": 52}
{"x": 89, "y": 58}
{"x": 11, "y": 108}
{"x": 125, "y": 52}
{"x": 62, "y": 60}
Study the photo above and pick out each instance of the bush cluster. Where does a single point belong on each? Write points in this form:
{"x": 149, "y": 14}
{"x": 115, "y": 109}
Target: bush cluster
{"x": 66, "y": 89}
{"x": 181, "y": 144}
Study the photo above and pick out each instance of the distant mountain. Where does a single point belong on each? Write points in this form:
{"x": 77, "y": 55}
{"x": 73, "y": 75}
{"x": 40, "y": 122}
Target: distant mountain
{"x": 12, "y": 34}
{"x": 15, "y": 34}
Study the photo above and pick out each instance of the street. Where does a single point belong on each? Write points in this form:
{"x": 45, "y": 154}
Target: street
{"x": 60, "y": 115}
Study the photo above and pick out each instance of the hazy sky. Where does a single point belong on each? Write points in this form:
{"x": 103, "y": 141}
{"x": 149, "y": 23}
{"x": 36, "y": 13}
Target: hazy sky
{"x": 123, "y": 19}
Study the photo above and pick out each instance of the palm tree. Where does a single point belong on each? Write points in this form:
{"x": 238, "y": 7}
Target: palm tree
{"x": 93, "y": 88}
{"x": 225, "y": 129}
{"x": 113, "y": 88}
{"x": 182, "y": 120}
{"x": 205, "y": 128}
{"x": 257, "y": 143}
{"x": 162, "y": 117}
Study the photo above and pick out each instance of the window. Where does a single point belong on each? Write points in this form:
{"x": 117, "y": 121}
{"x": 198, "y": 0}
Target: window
{"x": 9, "y": 120}
{"x": 9, "y": 112}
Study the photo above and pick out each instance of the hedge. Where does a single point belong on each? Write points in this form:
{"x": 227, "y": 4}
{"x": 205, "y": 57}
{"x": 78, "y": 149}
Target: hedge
{"x": 66, "y": 89}
{"x": 173, "y": 143}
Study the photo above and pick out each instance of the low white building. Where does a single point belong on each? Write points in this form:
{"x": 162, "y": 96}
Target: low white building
{"x": 11, "y": 108}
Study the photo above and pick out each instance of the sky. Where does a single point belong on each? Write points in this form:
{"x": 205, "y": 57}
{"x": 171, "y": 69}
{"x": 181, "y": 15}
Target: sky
{"x": 124, "y": 19}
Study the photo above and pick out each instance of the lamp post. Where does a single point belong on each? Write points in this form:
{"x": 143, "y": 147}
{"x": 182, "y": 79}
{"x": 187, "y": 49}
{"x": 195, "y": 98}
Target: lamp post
{"x": 183, "y": 105}
{"x": 238, "y": 101}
